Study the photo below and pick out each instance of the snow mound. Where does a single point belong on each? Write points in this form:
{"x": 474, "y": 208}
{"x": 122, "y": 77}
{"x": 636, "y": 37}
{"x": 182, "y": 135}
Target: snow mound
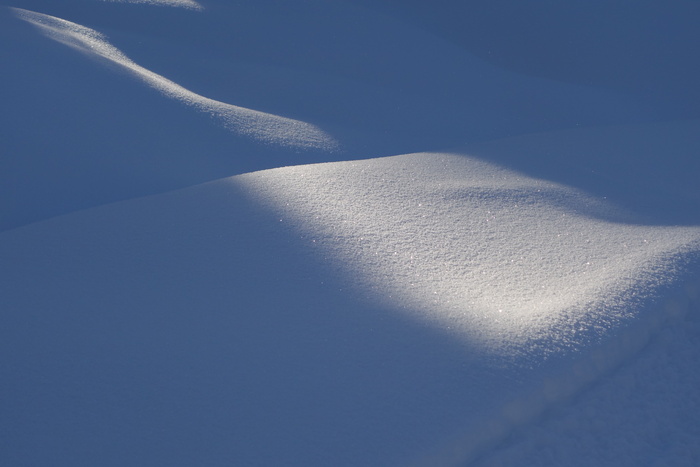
{"x": 555, "y": 285}
{"x": 259, "y": 125}
{"x": 329, "y": 80}
{"x": 410, "y": 309}
{"x": 421, "y": 309}
{"x": 524, "y": 266}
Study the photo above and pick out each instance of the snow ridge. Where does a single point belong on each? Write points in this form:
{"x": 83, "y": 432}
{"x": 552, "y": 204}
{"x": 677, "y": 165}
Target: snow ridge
{"x": 532, "y": 274}
{"x": 427, "y": 309}
{"x": 261, "y": 126}
{"x": 520, "y": 264}
{"x": 188, "y": 4}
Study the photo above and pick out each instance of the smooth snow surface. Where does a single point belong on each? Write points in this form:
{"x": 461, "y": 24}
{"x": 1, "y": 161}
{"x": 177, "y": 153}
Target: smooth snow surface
{"x": 268, "y": 128}
{"x": 329, "y": 80}
{"x": 645, "y": 413}
{"x": 403, "y": 310}
{"x": 407, "y": 255}
{"x": 190, "y": 4}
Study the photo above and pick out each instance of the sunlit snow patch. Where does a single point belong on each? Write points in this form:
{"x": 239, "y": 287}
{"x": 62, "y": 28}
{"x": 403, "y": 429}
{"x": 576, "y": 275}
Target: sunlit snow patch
{"x": 524, "y": 266}
{"x": 259, "y": 125}
{"x": 189, "y": 4}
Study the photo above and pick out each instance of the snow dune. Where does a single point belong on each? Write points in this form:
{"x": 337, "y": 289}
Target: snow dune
{"x": 411, "y": 310}
{"x": 521, "y": 299}
{"x": 329, "y": 81}
{"x": 265, "y": 127}
{"x": 526, "y": 265}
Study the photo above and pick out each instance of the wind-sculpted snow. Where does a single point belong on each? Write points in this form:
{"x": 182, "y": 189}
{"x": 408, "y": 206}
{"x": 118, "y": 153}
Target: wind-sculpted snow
{"x": 189, "y": 4}
{"x": 431, "y": 309}
{"x": 537, "y": 275}
{"x": 524, "y": 265}
{"x": 364, "y": 83}
{"x": 410, "y": 310}
{"x": 259, "y": 125}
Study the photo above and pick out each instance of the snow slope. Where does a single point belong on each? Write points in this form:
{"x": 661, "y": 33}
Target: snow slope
{"x": 267, "y": 128}
{"x": 644, "y": 413}
{"x": 503, "y": 258}
{"x": 389, "y": 311}
{"x": 527, "y": 297}
{"x": 339, "y": 76}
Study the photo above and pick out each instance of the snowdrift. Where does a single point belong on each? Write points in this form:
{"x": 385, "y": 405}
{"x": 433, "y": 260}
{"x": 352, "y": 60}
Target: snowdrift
{"x": 212, "y": 255}
{"x": 407, "y": 309}
{"x": 264, "y": 84}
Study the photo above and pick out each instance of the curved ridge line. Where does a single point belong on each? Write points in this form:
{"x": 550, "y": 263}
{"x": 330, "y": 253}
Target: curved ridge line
{"x": 188, "y": 4}
{"x": 258, "y": 125}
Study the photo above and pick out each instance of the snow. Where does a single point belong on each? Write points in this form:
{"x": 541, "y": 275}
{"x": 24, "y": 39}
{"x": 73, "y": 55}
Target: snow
{"x": 637, "y": 415}
{"x": 489, "y": 253}
{"x": 322, "y": 233}
{"x": 267, "y": 128}
{"x": 190, "y": 4}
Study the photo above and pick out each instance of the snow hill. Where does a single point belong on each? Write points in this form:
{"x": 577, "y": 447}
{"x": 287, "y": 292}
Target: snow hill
{"x": 320, "y": 233}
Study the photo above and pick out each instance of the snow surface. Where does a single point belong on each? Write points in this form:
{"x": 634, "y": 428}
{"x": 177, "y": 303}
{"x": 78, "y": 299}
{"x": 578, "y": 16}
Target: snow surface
{"x": 523, "y": 290}
{"x": 268, "y": 128}
{"x": 376, "y": 85}
{"x": 191, "y": 4}
{"x": 504, "y": 259}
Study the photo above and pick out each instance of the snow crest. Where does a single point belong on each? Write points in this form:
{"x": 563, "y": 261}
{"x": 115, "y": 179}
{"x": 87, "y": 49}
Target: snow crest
{"x": 262, "y": 126}
{"x": 532, "y": 275}
{"x": 525, "y": 266}
{"x": 189, "y": 4}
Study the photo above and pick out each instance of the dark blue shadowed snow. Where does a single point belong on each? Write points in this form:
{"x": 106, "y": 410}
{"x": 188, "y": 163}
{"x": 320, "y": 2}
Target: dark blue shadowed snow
{"x": 190, "y": 328}
{"x": 368, "y": 84}
{"x": 245, "y": 322}
{"x": 519, "y": 288}
{"x": 644, "y": 49}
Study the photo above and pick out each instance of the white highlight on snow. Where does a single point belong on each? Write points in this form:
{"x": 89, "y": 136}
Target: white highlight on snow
{"x": 259, "y": 125}
{"x": 189, "y": 4}
{"x": 523, "y": 266}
